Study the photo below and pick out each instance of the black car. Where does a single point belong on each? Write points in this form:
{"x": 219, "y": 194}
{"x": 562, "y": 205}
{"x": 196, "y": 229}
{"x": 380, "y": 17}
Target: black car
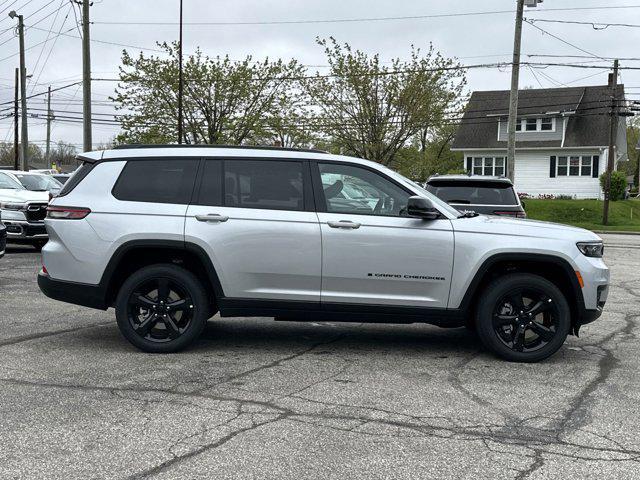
{"x": 480, "y": 194}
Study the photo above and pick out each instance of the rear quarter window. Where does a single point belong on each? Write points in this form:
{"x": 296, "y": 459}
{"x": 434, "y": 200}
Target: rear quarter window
{"x": 157, "y": 181}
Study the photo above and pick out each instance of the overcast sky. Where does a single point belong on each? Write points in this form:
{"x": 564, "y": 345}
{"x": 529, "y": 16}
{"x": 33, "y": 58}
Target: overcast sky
{"x": 473, "y": 39}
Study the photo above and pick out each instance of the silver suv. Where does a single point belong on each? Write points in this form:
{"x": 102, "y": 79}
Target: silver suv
{"x": 169, "y": 236}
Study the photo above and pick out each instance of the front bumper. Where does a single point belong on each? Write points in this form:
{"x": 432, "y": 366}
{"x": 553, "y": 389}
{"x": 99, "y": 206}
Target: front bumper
{"x": 21, "y": 230}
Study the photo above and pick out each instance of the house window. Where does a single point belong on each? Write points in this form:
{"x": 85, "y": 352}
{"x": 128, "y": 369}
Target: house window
{"x": 575, "y": 166}
{"x": 492, "y": 166}
{"x": 562, "y": 166}
{"x": 545, "y": 124}
{"x": 477, "y": 166}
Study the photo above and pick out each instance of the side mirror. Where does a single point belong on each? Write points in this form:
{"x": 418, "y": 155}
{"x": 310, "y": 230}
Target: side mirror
{"x": 421, "y": 207}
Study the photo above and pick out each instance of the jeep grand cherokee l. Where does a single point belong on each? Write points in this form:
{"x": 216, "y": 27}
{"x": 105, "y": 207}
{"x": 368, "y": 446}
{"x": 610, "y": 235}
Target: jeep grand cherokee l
{"x": 169, "y": 236}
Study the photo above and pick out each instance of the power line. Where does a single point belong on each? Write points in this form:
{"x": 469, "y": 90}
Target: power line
{"x": 562, "y": 40}
{"x": 594, "y": 25}
{"x": 368, "y": 19}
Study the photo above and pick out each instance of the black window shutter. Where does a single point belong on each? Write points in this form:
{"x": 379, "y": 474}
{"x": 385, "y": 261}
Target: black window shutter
{"x": 596, "y": 166}
{"x": 469, "y": 164}
{"x": 552, "y": 167}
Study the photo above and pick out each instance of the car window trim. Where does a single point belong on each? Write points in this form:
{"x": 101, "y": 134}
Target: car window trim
{"x": 321, "y": 204}
{"x": 165, "y": 158}
{"x": 308, "y": 200}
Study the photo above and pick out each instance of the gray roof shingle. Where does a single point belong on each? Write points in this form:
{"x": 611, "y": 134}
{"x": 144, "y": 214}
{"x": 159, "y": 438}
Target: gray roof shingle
{"x": 588, "y": 127}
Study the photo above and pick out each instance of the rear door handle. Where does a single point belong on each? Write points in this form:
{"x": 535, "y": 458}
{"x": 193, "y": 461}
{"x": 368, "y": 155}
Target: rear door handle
{"x": 212, "y": 218}
{"x": 344, "y": 224}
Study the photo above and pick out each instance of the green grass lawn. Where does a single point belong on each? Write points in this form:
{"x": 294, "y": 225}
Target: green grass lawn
{"x": 624, "y": 215}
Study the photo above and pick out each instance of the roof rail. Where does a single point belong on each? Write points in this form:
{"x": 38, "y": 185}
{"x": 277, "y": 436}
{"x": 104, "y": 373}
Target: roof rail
{"x": 240, "y": 147}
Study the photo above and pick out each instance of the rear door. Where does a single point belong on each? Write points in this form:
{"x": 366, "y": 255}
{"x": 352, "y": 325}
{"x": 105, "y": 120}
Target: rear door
{"x": 372, "y": 253}
{"x": 256, "y": 220}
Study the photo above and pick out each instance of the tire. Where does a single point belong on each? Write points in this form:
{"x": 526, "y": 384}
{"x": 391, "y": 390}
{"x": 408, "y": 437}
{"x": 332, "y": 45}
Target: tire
{"x": 526, "y": 330}
{"x": 38, "y": 244}
{"x": 155, "y": 325}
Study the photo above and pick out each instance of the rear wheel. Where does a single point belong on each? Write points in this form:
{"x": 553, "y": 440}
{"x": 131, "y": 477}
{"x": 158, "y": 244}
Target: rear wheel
{"x": 523, "y": 318}
{"x": 162, "y": 308}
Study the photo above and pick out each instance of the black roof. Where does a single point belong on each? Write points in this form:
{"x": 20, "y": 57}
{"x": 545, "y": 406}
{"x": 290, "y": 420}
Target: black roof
{"x": 586, "y": 107}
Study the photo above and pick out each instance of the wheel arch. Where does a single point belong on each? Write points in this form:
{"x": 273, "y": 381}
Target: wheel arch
{"x": 553, "y": 268}
{"x": 135, "y": 254}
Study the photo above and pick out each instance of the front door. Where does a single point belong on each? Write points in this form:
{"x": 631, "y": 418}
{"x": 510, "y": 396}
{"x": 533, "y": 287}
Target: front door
{"x": 255, "y": 219}
{"x": 371, "y": 251}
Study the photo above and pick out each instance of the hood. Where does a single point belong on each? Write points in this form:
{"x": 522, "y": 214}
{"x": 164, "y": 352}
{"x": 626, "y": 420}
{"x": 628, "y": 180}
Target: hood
{"x": 23, "y": 196}
{"x": 522, "y": 228}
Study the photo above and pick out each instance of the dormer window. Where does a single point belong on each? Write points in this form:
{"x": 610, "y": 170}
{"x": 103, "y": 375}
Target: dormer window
{"x": 543, "y": 124}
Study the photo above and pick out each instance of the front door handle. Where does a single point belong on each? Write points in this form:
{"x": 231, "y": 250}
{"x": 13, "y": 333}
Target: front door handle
{"x": 344, "y": 224}
{"x": 212, "y": 218}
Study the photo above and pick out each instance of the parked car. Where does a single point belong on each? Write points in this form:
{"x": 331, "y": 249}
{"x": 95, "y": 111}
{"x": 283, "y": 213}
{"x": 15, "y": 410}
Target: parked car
{"x": 23, "y": 212}
{"x": 62, "y": 177}
{"x": 169, "y": 236}
{"x": 480, "y": 194}
{"x": 36, "y": 182}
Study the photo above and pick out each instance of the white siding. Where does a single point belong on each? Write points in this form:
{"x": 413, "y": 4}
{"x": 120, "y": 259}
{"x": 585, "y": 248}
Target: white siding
{"x": 532, "y": 173}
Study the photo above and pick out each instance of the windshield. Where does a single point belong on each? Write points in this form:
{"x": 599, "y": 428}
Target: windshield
{"x": 8, "y": 183}
{"x": 39, "y": 183}
{"x": 474, "y": 193}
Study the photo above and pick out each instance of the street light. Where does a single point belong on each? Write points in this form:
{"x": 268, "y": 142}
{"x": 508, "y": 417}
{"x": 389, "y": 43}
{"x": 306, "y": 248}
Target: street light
{"x": 23, "y": 91}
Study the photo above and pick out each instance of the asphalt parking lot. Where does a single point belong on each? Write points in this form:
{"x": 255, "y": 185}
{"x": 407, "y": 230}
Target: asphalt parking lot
{"x": 262, "y": 399}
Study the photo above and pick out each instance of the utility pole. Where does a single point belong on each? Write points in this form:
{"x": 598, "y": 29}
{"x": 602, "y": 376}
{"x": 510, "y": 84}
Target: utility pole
{"x": 16, "y": 138}
{"x": 515, "y": 80}
{"x": 180, "y": 81}
{"x": 613, "y": 124}
{"x": 49, "y": 118}
{"x": 86, "y": 77}
{"x": 23, "y": 93}
{"x": 513, "y": 97}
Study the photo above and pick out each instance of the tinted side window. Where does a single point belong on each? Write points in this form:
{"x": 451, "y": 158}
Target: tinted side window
{"x": 211, "y": 186}
{"x": 157, "y": 181}
{"x": 356, "y": 190}
{"x": 263, "y": 184}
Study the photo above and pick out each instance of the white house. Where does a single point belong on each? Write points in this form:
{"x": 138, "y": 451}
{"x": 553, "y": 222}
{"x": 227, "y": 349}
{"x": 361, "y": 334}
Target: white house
{"x": 562, "y": 138}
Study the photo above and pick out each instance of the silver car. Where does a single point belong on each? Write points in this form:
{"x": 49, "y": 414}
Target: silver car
{"x": 169, "y": 236}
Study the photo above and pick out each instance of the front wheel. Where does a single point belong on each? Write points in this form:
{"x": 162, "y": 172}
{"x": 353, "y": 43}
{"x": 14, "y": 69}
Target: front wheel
{"x": 523, "y": 318}
{"x": 162, "y": 308}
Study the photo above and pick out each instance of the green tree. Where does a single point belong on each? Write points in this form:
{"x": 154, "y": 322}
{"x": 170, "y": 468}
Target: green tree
{"x": 224, "y": 101}
{"x": 618, "y": 184}
{"x": 373, "y": 111}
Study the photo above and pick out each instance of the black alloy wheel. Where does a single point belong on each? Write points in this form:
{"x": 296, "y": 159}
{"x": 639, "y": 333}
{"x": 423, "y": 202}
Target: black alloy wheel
{"x": 523, "y": 317}
{"x": 160, "y": 310}
{"x": 525, "y": 320}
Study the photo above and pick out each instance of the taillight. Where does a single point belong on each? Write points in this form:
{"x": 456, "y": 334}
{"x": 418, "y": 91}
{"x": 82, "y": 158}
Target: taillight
{"x": 512, "y": 214}
{"x": 67, "y": 213}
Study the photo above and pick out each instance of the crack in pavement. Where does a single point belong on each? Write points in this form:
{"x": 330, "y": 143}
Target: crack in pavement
{"x": 36, "y": 336}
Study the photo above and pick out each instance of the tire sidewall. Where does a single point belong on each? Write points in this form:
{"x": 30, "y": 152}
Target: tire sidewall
{"x": 495, "y": 291}
{"x": 176, "y": 274}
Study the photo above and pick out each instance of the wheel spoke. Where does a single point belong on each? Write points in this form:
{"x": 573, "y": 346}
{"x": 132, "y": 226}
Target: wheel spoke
{"x": 142, "y": 301}
{"x": 502, "y": 320}
{"x": 540, "y": 306}
{"x": 518, "y": 338}
{"x": 163, "y": 289}
{"x": 543, "y": 332}
{"x": 177, "y": 305}
{"x": 516, "y": 300}
{"x": 146, "y": 325}
{"x": 172, "y": 328}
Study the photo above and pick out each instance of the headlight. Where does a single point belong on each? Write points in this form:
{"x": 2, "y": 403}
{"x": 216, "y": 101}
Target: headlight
{"x": 591, "y": 249}
{"x": 13, "y": 206}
